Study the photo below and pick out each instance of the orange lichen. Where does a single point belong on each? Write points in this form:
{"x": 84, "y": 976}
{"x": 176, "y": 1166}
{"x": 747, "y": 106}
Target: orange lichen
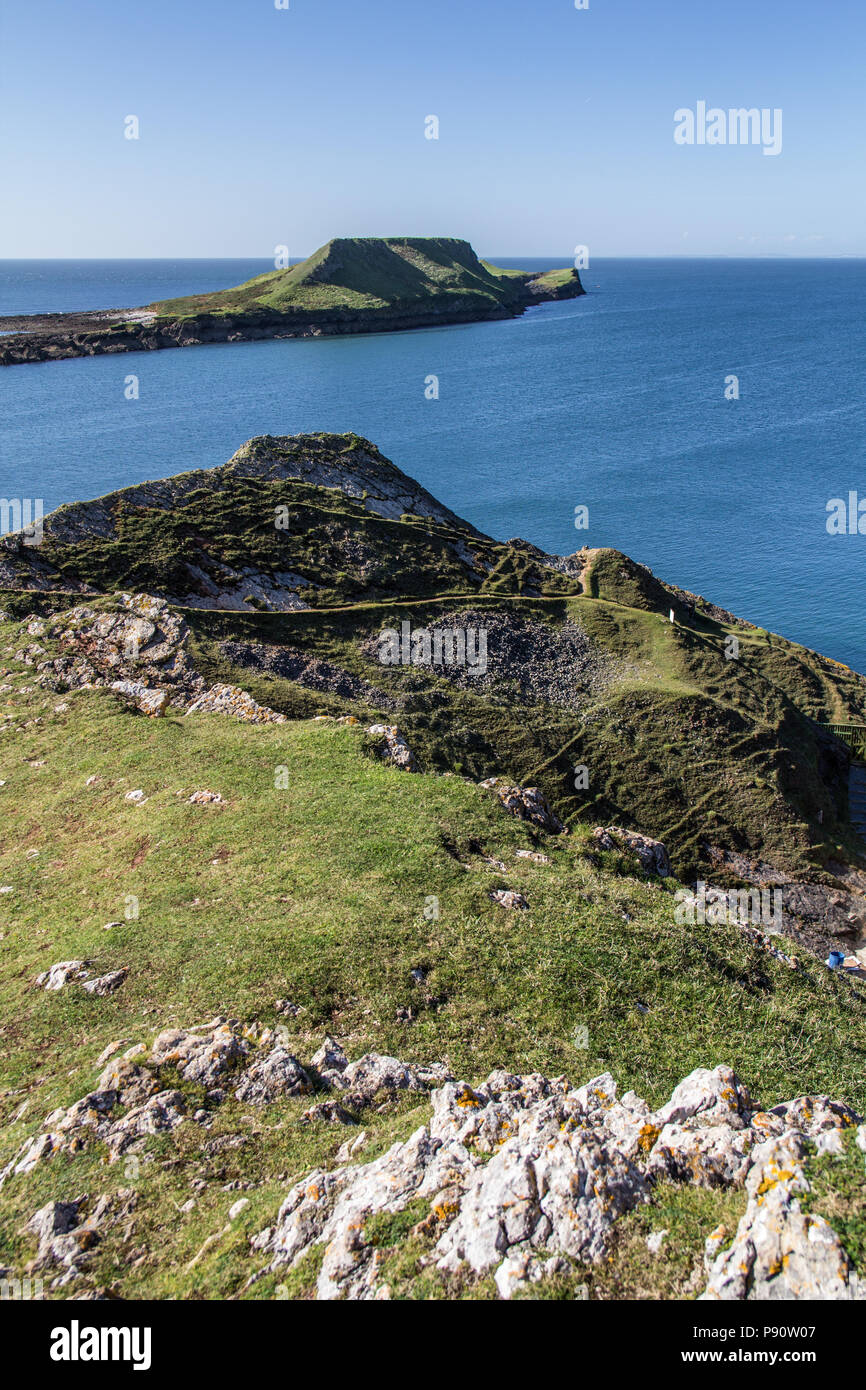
{"x": 647, "y": 1137}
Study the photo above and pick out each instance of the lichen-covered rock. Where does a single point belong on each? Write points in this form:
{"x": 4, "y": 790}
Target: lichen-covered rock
{"x": 525, "y": 1175}
{"x": 651, "y": 854}
{"x": 779, "y": 1251}
{"x": 527, "y": 803}
{"x": 815, "y": 1115}
{"x": 164, "y": 1111}
{"x": 58, "y": 975}
{"x": 542, "y": 1189}
{"x": 201, "y": 1055}
{"x": 149, "y": 700}
{"x": 555, "y": 1182}
{"x": 231, "y": 700}
{"x": 275, "y": 1075}
{"x": 525, "y": 1268}
{"x": 707, "y": 1154}
{"x": 394, "y": 748}
{"x": 32, "y": 1152}
{"x": 374, "y": 1076}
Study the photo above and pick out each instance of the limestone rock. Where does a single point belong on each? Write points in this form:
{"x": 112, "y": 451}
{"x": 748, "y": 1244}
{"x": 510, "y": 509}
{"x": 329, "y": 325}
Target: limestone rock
{"x": 330, "y": 1057}
{"x": 528, "y": 803}
{"x": 709, "y": 1155}
{"x": 814, "y": 1115}
{"x": 329, "y": 1112}
{"x": 231, "y": 700}
{"x": 104, "y": 985}
{"x": 509, "y": 897}
{"x": 374, "y": 1075}
{"x": 395, "y": 749}
{"x": 139, "y": 649}
{"x": 525, "y": 1175}
{"x": 650, "y": 854}
{"x": 709, "y": 1095}
{"x": 60, "y": 974}
{"x": 779, "y": 1251}
{"x": 66, "y": 1237}
{"x": 201, "y": 1056}
{"x": 148, "y": 699}
{"x": 277, "y": 1074}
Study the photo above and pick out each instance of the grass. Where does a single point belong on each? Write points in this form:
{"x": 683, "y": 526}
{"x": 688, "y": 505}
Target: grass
{"x": 318, "y": 893}
{"x": 372, "y": 275}
{"x": 346, "y": 553}
{"x": 838, "y": 1193}
{"x": 327, "y": 878}
{"x": 687, "y": 745}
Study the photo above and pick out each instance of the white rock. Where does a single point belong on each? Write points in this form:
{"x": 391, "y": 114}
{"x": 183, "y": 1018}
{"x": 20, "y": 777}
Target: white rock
{"x": 60, "y": 974}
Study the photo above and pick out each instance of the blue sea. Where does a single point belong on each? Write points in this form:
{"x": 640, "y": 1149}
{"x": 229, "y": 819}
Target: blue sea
{"x": 615, "y": 402}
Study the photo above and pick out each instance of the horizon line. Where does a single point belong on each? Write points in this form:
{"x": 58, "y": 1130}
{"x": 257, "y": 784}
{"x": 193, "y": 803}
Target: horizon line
{"x": 515, "y": 255}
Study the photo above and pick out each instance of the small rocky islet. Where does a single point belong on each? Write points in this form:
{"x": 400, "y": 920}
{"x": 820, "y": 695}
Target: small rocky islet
{"x": 350, "y": 285}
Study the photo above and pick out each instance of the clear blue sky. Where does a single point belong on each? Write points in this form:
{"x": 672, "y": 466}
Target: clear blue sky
{"x": 262, "y": 127}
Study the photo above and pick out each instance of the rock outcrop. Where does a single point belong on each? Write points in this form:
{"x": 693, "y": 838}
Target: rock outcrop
{"x": 138, "y": 648}
{"x": 394, "y": 749}
{"x": 651, "y": 855}
{"x": 130, "y": 1101}
{"x": 525, "y": 1176}
{"x": 527, "y": 803}
{"x": 522, "y": 1177}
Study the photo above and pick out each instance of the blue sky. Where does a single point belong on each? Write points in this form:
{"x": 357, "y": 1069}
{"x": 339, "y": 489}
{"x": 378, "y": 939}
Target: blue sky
{"x": 261, "y": 127}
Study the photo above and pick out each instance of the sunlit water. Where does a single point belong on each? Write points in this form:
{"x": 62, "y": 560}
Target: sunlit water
{"x": 615, "y": 401}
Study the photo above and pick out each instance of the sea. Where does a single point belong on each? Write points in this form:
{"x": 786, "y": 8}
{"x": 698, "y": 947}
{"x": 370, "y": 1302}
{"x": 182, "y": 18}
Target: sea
{"x": 704, "y": 413}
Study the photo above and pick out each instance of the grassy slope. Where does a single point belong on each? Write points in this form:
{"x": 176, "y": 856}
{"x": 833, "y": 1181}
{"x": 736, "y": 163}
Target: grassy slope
{"x": 690, "y": 746}
{"x": 317, "y": 893}
{"x": 363, "y": 273}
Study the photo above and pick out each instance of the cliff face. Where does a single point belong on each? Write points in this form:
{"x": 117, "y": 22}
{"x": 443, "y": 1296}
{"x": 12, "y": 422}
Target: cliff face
{"x": 350, "y": 285}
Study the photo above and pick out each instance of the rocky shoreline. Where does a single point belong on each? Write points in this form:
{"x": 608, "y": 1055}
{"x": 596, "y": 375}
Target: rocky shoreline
{"x": 53, "y": 337}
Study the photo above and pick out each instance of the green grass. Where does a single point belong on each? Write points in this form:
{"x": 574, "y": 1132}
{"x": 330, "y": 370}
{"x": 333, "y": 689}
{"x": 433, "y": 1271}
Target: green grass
{"x": 363, "y": 274}
{"x": 346, "y": 553}
{"x": 318, "y": 893}
{"x": 838, "y": 1193}
{"x": 687, "y": 745}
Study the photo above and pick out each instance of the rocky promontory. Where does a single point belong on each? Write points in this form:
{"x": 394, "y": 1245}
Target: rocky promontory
{"x": 496, "y": 878}
{"x": 350, "y": 285}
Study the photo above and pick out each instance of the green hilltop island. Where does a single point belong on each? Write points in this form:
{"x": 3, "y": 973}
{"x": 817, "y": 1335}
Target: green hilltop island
{"x": 350, "y": 285}
{"x": 389, "y": 911}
